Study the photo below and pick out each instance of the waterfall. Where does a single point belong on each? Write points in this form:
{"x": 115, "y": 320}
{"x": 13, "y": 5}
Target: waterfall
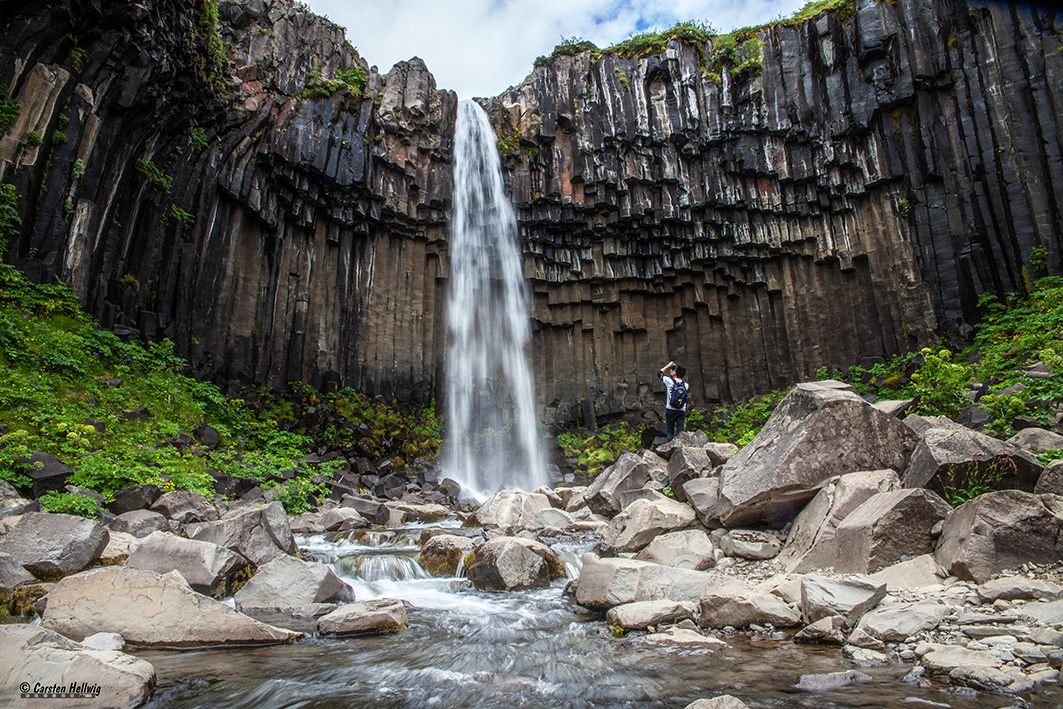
{"x": 492, "y": 440}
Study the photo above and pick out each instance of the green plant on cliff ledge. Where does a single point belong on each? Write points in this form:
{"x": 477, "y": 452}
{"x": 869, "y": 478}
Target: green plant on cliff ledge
{"x": 156, "y": 177}
{"x": 10, "y": 221}
{"x": 9, "y": 109}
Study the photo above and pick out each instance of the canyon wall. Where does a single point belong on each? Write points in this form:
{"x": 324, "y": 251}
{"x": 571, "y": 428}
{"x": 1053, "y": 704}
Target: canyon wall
{"x": 278, "y": 208}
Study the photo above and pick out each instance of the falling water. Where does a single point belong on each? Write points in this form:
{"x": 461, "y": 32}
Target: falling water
{"x": 493, "y": 441}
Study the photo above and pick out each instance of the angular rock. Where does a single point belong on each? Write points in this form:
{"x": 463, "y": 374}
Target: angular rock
{"x": 728, "y": 601}
{"x": 375, "y": 617}
{"x": 139, "y": 523}
{"x": 943, "y": 659}
{"x": 1043, "y": 613}
{"x": 604, "y": 583}
{"x": 1001, "y": 530}
{"x": 750, "y": 544}
{"x": 185, "y": 507}
{"x": 811, "y": 543}
{"x": 149, "y": 609}
{"x": 949, "y": 453}
{"x": 859, "y": 638}
{"x": 555, "y": 500}
{"x": 42, "y": 657}
{"x": 444, "y": 554}
{"x": 555, "y": 518}
{"x": 208, "y": 568}
{"x": 288, "y": 583}
{"x": 830, "y": 630}
{"x": 50, "y": 545}
{"x": 1051, "y": 480}
{"x": 686, "y": 439}
{"x": 118, "y": 548}
{"x": 629, "y": 472}
{"x": 819, "y": 430}
{"x": 341, "y": 519}
{"x": 12, "y": 574}
{"x": 1018, "y": 588}
{"x": 137, "y": 497}
{"x": 684, "y": 465}
{"x": 689, "y": 549}
{"x": 642, "y": 614}
{"x": 208, "y": 437}
{"x": 833, "y": 681}
{"x": 719, "y": 453}
{"x": 724, "y": 701}
{"x": 509, "y": 508}
{"x": 657, "y": 465}
{"x": 420, "y": 513}
{"x": 685, "y": 637}
{"x": 823, "y": 597}
{"x": 373, "y": 510}
{"x": 914, "y": 573}
{"x": 104, "y": 641}
{"x": 642, "y": 521}
{"x": 46, "y": 472}
{"x": 897, "y": 622}
{"x": 261, "y": 533}
{"x": 504, "y": 564}
{"x": 306, "y": 523}
{"x": 703, "y": 495}
{"x": 992, "y": 679}
{"x": 1038, "y": 440}
{"x": 886, "y": 528}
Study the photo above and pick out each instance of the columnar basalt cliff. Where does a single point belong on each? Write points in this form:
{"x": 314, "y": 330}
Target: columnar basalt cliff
{"x": 279, "y": 209}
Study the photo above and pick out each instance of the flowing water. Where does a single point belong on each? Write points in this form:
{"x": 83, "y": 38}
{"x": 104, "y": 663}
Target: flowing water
{"x": 492, "y": 440}
{"x": 465, "y": 648}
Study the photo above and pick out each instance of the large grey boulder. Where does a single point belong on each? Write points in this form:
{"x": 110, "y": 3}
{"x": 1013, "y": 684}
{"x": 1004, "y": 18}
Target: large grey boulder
{"x": 506, "y": 564}
{"x": 288, "y": 583}
{"x": 724, "y": 701}
{"x": 811, "y": 544}
{"x": 42, "y": 657}
{"x": 629, "y": 472}
{"x": 686, "y": 439}
{"x": 948, "y": 453}
{"x": 12, "y": 575}
{"x": 727, "y": 601}
{"x": 260, "y": 533}
{"x": 139, "y": 523}
{"x": 208, "y": 568}
{"x": 897, "y": 622}
{"x": 887, "y": 528}
{"x": 12, "y": 504}
{"x": 509, "y": 508}
{"x": 687, "y": 549}
{"x": 720, "y": 453}
{"x": 750, "y": 544}
{"x": 642, "y": 614}
{"x": 149, "y": 609}
{"x": 444, "y": 554}
{"x": 50, "y": 545}
{"x": 1037, "y": 439}
{"x": 1001, "y": 530}
{"x": 823, "y": 597}
{"x": 136, "y": 497}
{"x": 687, "y": 464}
{"x": 642, "y": 521}
{"x": 920, "y": 572}
{"x": 703, "y": 494}
{"x": 341, "y": 519}
{"x": 375, "y": 617}
{"x": 185, "y": 507}
{"x": 373, "y": 510}
{"x": 1051, "y": 480}
{"x": 1019, "y": 588}
{"x": 819, "y": 430}
{"x": 604, "y": 583}
{"x": 429, "y": 512}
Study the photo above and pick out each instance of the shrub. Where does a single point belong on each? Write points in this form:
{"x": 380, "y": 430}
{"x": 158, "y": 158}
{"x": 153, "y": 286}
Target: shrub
{"x": 156, "y": 177}
{"x": 69, "y": 503}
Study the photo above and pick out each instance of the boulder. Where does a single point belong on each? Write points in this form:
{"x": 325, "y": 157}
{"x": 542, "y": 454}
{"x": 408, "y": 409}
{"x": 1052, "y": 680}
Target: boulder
{"x": 420, "y": 513}
{"x": 505, "y": 564}
{"x": 306, "y": 523}
{"x": 261, "y": 533}
{"x": 950, "y": 453}
{"x": 687, "y": 464}
{"x": 811, "y": 543}
{"x": 685, "y": 439}
{"x": 50, "y": 545}
{"x": 727, "y": 601}
{"x": 140, "y": 523}
{"x": 832, "y": 681}
{"x": 689, "y": 549}
{"x": 509, "y": 508}
{"x": 208, "y": 568}
{"x": 996, "y": 680}
{"x": 1051, "y": 480}
{"x": 375, "y": 617}
{"x": 829, "y": 630}
{"x": 750, "y": 544}
{"x": 1001, "y": 530}
{"x": 657, "y": 465}
{"x": 642, "y": 614}
{"x": 1018, "y": 588}
{"x": 12, "y": 575}
{"x": 104, "y": 641}
{"x": 118, "y": 548}
{"x": 894, "y": 407}
{"x": 629, "y": 472}
{"x": 553, "y": 518}
{"x": 604, "y": 583}
{"x": 444, "y": 554}
{"x": 724, "y": 701}
{"x": 1038, "y": 440}
{"x": 12, "y": 505}
{"x": 897, "y": 622}
{"x": 703, "y": 495}
{"x": 644, "y": 520}
{"x": 288, "y": 584}
{"x": 149, "y": 609}
{"x": 43, "y": 658}
{"x": 823, "y": 597}
{"x": 185, "y": 507}
{"x": 914, "y": 573}
{"x": 943, "y": 659}
{"x": 341, "y": 519}
{"x": 687, "y": 637}
{"x": 720, "y": 453}
{"x": 1042, "y": 613}
{"x": 373, "y": 510}
{"x": 887, "y": 528}
{"x": 137, "y": 497}
{"x": 555, "y": 499}
{"x": 208, "y": 437}
{"x": 46, "y": 472}
{"x": 819, "y": 430}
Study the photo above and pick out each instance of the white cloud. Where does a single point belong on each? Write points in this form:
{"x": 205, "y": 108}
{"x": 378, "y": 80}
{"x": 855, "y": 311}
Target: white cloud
{"x": 481, "y": 47}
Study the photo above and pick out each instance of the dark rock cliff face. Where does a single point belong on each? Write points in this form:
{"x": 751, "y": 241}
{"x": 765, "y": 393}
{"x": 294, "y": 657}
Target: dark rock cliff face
{"x": 886, "y": 166}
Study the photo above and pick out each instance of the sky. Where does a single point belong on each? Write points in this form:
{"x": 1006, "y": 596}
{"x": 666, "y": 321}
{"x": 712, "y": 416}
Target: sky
{"x": 482, "y": 47}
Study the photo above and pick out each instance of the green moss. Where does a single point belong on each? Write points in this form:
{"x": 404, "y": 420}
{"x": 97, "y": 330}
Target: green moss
{"x": 156, "y": 177}
{"x": 33, "y": 139}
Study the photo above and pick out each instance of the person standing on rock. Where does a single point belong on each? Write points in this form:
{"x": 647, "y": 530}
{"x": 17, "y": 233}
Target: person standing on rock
{"x": 676, "y": 396}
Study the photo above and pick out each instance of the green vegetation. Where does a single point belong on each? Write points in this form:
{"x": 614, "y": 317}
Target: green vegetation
{"x": 209, "y": 24}
{"x": 107, "y": 409}
{"x": 592, "y": 453}
{"x": 9, "y": 109}
{"x": 156, "y": 177}
{"x": 353, "y": 80}
{"x": 33, "y": 139}
{"x": 1039, "y": 258}
{"x": 70, "y": 503}
{"x": 197, "y": 136}
{"x": 959, "y": 487}
{"x": 10, "y": 221}
{"x": 185, "y": 218}
{"x": 78, "y": 170}
{"x": 59, "y": 138}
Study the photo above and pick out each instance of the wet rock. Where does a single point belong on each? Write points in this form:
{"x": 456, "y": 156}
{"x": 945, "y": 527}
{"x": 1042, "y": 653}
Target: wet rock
{"x": 373, "y": 510}
{"x": 750, "y": 544}
{"x": 12, "y": 575}
{"x": 443, "y": 554}
{"x": 420, "y": 513}
{"x": 823, "y": 597}
{"x": 137, "y": 497}
{"x": 688, "y": 549}
{"x": 629, "y": 472}
{"x": 829, "y": 630}
{"x": 261, "y": 534}
{"x": 139, "y": 523}
{"x": 685, "y": 637}
{"x": 724, "y": 701}
{"x": 644, "y": 520}
{"x": 1001, "y": 530}
{"x": 729, "y": 602}
{"x": 288, "y": 584}
{"x": 149, "y": 609}
{"x": 900, "y": 621}
{"x": 341, "y": 519}
{"x": 208, "y": 568}
{"x": 375, "y": 617}
{"x": 505, "y": 564}
{"x": 819, "y": 430}
{"x": 991, "y": 679}
{"x": 50, "y": 546}
{"x": 887, "y": 528}
{"x": 832, "y": 681}
{"x": 509, "y": 508}
{"x": 641, "y": 615}
{"x": 185, "y": 507}
{"x": 52, "y": 660}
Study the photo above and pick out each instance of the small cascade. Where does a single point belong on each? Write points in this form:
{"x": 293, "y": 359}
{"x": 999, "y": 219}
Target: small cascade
{"x": 493, "y": 440}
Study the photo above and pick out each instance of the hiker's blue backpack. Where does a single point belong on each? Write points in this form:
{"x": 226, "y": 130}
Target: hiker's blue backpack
{"x": 678, "y": 397}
